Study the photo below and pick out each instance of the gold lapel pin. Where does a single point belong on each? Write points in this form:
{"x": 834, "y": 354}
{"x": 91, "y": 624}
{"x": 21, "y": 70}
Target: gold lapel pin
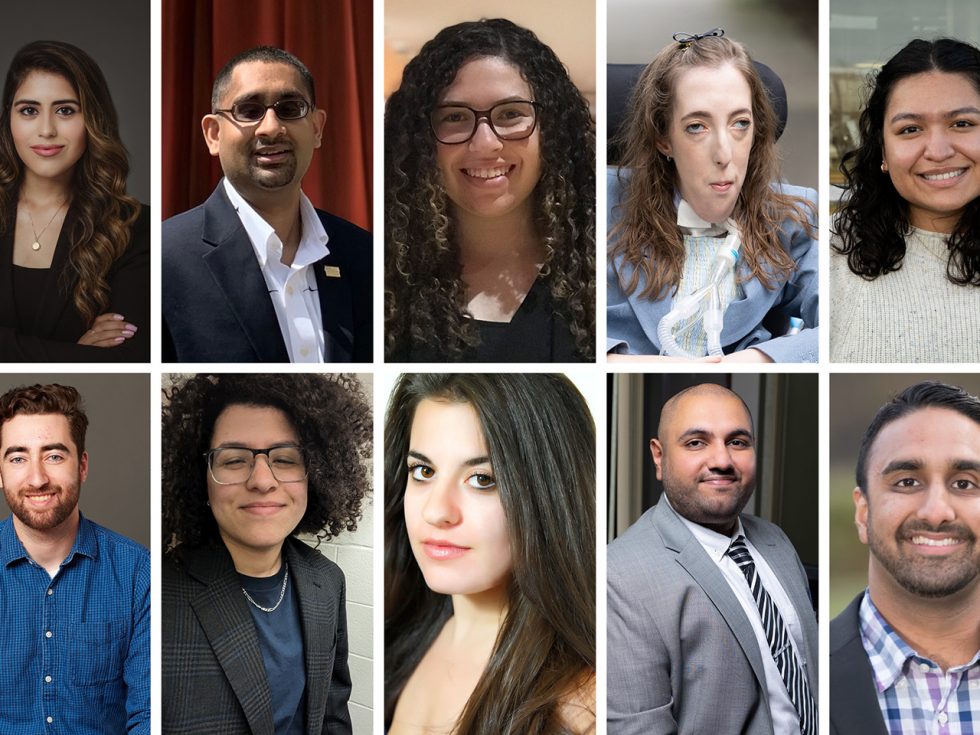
{"x": 331, "y": 271}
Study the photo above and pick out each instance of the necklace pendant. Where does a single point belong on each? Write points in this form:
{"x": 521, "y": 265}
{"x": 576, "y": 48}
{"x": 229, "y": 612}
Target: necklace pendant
{"x": 36, "y": 246}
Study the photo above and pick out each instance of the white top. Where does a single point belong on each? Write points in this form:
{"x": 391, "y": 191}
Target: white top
{"x": 785, "y": 719}
{"x": 914, "y": 314}
{"x": 292, "y": 288}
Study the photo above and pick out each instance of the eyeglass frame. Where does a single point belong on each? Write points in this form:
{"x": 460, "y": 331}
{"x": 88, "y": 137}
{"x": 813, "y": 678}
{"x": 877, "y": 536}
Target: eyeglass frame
{"x": 230, "y": 111}
{"x": 209, "y": 458}
{"x": 485, "y": 115}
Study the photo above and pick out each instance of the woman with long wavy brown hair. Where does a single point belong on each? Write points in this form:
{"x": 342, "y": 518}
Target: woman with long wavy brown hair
{"x": 489, "y": 556}
{"x": 699, "y": 165}
{"x": 74, "y": 246}
{"x": 489, "y": 203}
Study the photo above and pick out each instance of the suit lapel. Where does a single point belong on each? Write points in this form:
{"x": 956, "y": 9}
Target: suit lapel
{"x": 706, "y": 574}
{"x": 223, "y": 614}
{"x": 335, "y": 308}
{"x": 237, "y": 275}
{"x": 853, "y": 700}
{"x": 312, "y": 602}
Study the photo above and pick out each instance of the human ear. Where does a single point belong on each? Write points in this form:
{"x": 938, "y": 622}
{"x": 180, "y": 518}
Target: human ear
{"x": 657, "y": 452}
{"x": 861, "y": 514}
{"x": 319, "y": 120}
{"x": 211, "y": 127}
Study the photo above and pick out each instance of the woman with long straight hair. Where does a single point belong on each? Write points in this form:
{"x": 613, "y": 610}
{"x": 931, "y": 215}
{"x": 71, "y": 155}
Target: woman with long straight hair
{"x": 74, "y": 246}
{"x": 489, "y": 556}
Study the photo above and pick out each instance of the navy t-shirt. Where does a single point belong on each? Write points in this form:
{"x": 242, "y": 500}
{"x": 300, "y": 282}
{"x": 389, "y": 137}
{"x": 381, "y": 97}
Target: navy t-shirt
{"x": 281, "y": 642}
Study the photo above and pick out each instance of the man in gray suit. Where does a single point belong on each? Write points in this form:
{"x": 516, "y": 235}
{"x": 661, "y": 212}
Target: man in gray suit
{"x": 690, "y": 584}
{"x": 905, "y": 654}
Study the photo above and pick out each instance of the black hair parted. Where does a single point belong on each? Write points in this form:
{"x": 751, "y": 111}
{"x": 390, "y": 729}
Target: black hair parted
{"x": 927, "y": 394}
{"x": 269, "y": 55}
{"x": 874, "y": 219}
{"x": 424, "y": 293}
{"x": 330, "y": 414}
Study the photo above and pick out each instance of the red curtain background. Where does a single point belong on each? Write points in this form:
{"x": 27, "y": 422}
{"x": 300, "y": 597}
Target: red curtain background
{"x": 332, "y": 37}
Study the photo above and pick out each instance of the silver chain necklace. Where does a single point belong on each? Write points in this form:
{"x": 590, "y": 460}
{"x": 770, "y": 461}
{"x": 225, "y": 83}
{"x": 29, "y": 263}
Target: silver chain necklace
{"x": 282, "y": 595}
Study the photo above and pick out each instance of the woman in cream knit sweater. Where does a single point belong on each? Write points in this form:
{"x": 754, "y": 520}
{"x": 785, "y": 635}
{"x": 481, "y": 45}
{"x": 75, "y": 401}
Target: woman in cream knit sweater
{"x": 905, "y": 269}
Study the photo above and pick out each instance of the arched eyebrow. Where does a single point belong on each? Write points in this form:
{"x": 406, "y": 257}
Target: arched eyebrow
{"x": 466, "y": 463}
{"x": 54, "y": 102}
{"x": 736, "y": 433}
{"x": 57, "y": 446}
{"x": 704, "y": 113}
{"x": 916, "y": 117}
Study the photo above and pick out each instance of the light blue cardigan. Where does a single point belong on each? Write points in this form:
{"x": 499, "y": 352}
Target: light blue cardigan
{"x": 631, "y": 322}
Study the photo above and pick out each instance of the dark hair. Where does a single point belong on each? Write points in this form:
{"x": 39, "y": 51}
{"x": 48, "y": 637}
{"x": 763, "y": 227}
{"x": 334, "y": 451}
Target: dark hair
{"x": 928, "y": 394}
{"x": 874, "y": 219}
{"x": 647, "y": 237}
{"x": 331, "y": 416}
{"x": 424, "y": 292}
{"x": 104, "y": 212}
{"x": 269, "y": 55}
{"x": 541, "y": 441}
{"x": 37, "y": 399}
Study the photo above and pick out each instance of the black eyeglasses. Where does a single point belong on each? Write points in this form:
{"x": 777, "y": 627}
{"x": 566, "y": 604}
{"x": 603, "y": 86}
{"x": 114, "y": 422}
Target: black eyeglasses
{"x": 234, "y": 465}
{"x": 253, "y": 112}
{"x": 452, "y": 124}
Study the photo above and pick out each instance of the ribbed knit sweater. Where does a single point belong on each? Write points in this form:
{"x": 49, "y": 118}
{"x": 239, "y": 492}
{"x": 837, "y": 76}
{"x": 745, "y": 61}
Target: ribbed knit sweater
{"x": 914, "y": 314}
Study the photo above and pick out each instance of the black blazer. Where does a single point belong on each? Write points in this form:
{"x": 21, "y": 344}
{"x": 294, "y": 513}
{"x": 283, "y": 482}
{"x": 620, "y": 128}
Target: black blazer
{"x": 53, "y": 332}
{"x": 214, "y": 677}
{"x": 216, "y": 305}
{"x": 854, "y": 704}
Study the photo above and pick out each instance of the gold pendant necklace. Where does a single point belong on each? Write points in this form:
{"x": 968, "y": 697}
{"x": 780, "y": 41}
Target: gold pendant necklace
{"x": 36, "y": 245}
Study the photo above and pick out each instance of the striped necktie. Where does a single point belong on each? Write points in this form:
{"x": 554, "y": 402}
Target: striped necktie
{"x": 780, "y": 645}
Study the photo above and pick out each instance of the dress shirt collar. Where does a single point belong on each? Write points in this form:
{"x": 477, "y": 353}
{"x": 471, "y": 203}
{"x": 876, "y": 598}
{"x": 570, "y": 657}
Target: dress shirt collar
{"x": 714, "y": 543}
{"x": 265, "y": 241}
{"x": 11, "y": 548}
{"x": 889, "y": 654}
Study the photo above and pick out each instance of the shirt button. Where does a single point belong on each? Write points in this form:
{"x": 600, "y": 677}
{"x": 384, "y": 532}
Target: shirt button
{"x": 975, "y": 683}
{"x": 47, "y": 634}
{"x": 304, "y": 351}
{"x": 289, "y": 290}
{"x": 49, "y": 719}
{"x": 50, "y": 592}
{"x": 943, "y": 718}
{"x": 923, "y": 667}
{"x": 47, "y": 679}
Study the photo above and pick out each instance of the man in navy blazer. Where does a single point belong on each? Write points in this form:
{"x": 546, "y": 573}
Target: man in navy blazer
{"x": 905, "y": 654}
{"x": 256, "y": 274}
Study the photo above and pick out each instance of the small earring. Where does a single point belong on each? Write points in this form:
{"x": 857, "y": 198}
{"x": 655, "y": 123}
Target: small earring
{"x": 884, "y": 167}
{"x": 207, "y": 503}
{"x": 669, "y": 159}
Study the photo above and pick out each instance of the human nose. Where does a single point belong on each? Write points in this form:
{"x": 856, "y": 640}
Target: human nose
{"x": 484, "y": 138}
{"x": 938, "y": 147}
{"x": 441, "y": 507}
{"x": 262, "y": 480}
{"x": 720, "y": 457}
{"x": 936, "y": 508}
{"x": 48, "y": 128}
{"x": 723, "y": 148}
{"x": 270, "y": 125}
{"x": 37, "y": 475}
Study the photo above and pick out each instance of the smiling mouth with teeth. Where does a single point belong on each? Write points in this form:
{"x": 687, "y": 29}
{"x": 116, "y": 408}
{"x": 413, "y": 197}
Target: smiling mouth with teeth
{"x": 487, "y": 173}
{"x": 926, "y": 541}
{"x": 945, "y": 176}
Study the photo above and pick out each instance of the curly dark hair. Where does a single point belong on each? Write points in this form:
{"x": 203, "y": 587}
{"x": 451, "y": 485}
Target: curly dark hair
{"x": 424, "y": 292}
{"x": 105, "y": 212}
{"x": 334, "y": 423}
{"x": 874, "y": 219}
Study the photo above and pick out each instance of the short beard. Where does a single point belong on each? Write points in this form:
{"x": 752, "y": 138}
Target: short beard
{"x": 45, "y": 520}
{"x": 928, "y": 577}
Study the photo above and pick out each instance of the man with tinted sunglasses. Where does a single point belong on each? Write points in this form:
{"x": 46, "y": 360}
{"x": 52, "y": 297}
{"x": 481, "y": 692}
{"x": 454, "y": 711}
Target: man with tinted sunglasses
{"x": 256, "y": 274}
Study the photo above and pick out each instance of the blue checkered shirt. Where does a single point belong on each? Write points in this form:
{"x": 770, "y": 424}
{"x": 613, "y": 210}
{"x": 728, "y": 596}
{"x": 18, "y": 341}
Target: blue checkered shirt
{"x": 75, "y": 650}
{"x": 915, "y": 695}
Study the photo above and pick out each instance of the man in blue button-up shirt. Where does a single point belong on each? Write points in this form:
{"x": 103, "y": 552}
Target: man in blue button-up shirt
{"x": 74, "y": 597}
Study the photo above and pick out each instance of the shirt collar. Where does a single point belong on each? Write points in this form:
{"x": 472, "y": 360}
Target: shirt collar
{"x": 11, "y": 548}
{"x": 716, "y": 544}
{"x": 265, "y": 241}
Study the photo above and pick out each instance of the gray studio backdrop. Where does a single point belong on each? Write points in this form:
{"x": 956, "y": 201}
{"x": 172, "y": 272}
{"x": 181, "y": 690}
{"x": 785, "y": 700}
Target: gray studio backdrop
{"x": 117, "y": 492}
{"x": 116, "y": 33}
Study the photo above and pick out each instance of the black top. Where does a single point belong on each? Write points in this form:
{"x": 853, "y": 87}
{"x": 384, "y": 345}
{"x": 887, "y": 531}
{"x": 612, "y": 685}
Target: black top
{"x": 28, "y": 284}
{"x": 281, "y": 644}
{"x": 49, "y": 330}
{"x": 536, "y": 333}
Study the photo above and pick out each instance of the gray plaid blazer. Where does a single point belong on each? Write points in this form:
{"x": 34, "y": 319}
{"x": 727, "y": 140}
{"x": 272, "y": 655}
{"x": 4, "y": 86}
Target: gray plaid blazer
{"x": 682, "y": 657}
{"x": 214, "y": 679}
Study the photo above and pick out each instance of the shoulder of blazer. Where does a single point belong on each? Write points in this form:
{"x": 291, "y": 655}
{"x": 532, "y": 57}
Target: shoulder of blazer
{"x": 313, "y": 560}
{"x": 349, "y": 244}
{"x": 845, "y": 628}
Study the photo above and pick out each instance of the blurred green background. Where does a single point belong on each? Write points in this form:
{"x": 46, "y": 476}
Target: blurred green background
{"x": 854, "y": 399}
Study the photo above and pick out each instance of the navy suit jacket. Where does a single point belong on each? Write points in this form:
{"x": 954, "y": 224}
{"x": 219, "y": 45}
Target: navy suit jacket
{"x": 216, "y": 305}
{"x": 853, "y": 699}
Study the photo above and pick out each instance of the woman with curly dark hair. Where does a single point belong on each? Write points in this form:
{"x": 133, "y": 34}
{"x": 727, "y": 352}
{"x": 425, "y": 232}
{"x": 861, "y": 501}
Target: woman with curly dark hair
{"x": 699, "y": 178}
{"x": 906, "y": 262}
{"x": 489, "y": 556}
{"x": 254, "y": 620}
{"x": 74, "y": 247}
{"x": 489, "y": 203}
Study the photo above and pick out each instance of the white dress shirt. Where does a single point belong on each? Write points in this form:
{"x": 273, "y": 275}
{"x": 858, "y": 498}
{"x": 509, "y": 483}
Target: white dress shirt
{"x": 292, "y": 288}
{"x": 785, "y": 719}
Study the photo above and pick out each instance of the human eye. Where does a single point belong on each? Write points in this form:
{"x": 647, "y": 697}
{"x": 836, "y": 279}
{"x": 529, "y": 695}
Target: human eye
{"x": 740, "y": 443}
{"x": 695, "y": 444}
{"x": 27, "y": 111}
{"x": 906, "y": 483}
{"x": 743, "y": 123}
{"x": 421, "y": 472}
{"x": 54, "y": 458}
{"x": 248, "y": 111}
{"x": 695, "y": 128}
{"x": 17, "y": 459}
{"x": 66, "y": 111}
{"x": 965, "y": 485}
{"x": 909, "y": 130}
{"x": 481, "y": 481}
{"x": 964, "y": 124}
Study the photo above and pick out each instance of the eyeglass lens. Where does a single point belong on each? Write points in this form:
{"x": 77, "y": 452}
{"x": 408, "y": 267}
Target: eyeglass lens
{"x": 231, "y": 465}
{"x": 285, "y": 110}
{"x": 508, "y": 120}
